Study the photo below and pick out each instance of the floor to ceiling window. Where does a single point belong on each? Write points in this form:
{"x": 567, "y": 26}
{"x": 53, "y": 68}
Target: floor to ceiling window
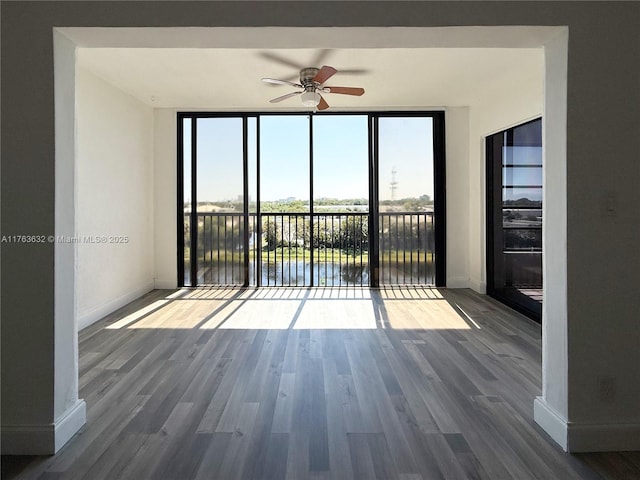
{"x": 341, "y": 199}
{"x": 514, "y": 217}
{"x": 406, "y": 199}
{"x": 283, "y": 243}
{"x": 311, "y": 199}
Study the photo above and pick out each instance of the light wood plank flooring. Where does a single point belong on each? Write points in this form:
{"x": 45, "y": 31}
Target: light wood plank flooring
{"x": 408, "y": 384}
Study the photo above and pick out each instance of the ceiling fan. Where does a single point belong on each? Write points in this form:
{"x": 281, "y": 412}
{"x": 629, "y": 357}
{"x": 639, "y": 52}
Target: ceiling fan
{"x": 311, "y": 85}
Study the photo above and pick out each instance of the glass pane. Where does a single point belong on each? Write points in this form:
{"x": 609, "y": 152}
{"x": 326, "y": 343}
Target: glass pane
{"x": 219, "y": 149}
{"x": 522, "y": 197}
{"x": 284, "y": 200}
{"x": 523, "y": 239}
{"x": 515, "y": 276}
{"x": 529, "y": 217}
{"x": 524, "y": 270}
{"x": 522, "y": 176}
{"x": 220, "y": 201}
{"x": 284, "y": 163}
{"x": 406, "y": 164}
{"x": 528, "y": 134}
{"x": 340, "y": 163}
{"x": 341, "y": 199}
{"x": 406, "y": 193}
{"x": 186, "y": 188}
{"x": 522, "y": 155}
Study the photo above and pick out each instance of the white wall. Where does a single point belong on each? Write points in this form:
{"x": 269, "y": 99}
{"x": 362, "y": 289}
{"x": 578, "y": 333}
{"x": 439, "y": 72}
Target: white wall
{"x": 551, "y": 409}
{"x": 457, "y": 185}
{"x": 499, "y": 110}
{"x": 114, "y": 182}
{"x": 603, "y": 232}
{"x": 165, "y": 174}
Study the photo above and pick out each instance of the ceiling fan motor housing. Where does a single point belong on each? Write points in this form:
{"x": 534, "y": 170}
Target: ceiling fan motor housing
{"x": 307, "y": 75}
{"x": 310, "y": 96}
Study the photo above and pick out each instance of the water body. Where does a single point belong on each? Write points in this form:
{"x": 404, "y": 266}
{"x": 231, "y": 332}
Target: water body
{"x": 330, "y": 274}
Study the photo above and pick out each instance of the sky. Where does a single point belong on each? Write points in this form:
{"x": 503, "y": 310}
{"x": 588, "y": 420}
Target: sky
{"x": 340, "y": 151}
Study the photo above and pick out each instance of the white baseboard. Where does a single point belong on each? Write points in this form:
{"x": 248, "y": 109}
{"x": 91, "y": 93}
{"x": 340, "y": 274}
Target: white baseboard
{"x": 164, "y": 284}
{"x": 466, "y": 282}
{"x": 585, "y": 437}
{"x": 457, "y": 282}
{"x": 478, "y": 286}
{"x": 550, "y": 421}
{"x": 96, "y": 313}
{"x": 45, "y": 439}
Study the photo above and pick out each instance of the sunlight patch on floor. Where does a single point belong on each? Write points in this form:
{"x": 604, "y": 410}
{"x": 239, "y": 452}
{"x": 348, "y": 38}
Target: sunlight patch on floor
{"x": 435, "y": 315}
{"x": 299, "y": 308}
{"x": 255, "y": 315}
{"x": 410, "y": 293}
{"x": 328, "y": 315}
{"x": 138, "y": 314}
{"x": 179, "y": 314}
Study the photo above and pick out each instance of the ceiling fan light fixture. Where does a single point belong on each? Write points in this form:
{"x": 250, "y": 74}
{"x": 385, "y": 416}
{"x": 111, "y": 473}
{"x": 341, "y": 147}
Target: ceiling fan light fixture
{"x": 310, "y": 98}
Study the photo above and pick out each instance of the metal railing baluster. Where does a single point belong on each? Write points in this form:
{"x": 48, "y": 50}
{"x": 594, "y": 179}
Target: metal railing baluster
{"x": 281, "y": 251}
{"x": 412, "y": 249}
{"x": 343, "y": 233}
{"x": 404, "y": 250}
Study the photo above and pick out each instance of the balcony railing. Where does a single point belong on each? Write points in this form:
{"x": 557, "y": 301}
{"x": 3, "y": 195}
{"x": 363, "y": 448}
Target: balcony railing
{"x": 323, "y": 249}
{"x": 326, "y": 249}
{"x": 407, "y": 246}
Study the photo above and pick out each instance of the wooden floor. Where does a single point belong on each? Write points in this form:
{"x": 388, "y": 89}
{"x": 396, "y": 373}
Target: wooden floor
{"x": 412, "y": 384}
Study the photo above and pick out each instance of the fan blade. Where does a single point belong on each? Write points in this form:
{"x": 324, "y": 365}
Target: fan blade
{"x": 320, "y": 56}
{"x": 354, "y": 71}
{"x": 344, "y": 90}
{"x": 284, "y": 97}
{"x": 323, "y": 105}
{"x": 281, "y": 60}
{"x": 281, "y": 82}
{"x": 324, "y": 74}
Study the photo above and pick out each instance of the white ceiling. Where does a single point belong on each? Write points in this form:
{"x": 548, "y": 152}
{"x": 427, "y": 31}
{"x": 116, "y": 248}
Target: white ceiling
{"x": 410, "y": 68}
{"x": 229, "y": 79}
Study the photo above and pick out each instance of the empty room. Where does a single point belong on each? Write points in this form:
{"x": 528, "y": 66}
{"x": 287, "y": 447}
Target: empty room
{"x": 289, "y": 240}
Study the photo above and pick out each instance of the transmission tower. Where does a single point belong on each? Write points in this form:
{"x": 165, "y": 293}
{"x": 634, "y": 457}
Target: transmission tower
{"x": 393, "y": 183}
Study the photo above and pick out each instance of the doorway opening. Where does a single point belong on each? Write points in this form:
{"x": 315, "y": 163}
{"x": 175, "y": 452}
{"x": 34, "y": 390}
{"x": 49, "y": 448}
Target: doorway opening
{"x": 340, "y": 199}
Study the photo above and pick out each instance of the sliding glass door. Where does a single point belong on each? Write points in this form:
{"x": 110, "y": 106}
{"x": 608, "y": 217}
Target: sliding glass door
{"x": 406, "y": 201}
{"x": 514, "y": 217}
{"x": 341, "y": 199}
{"x": 311, "y": 200}
{"x": 284, "y": 201}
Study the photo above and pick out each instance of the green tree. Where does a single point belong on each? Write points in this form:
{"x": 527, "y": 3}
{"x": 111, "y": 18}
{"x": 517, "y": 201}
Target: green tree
{"x": 270, "y": 232}
{"x": 354, "y": 234}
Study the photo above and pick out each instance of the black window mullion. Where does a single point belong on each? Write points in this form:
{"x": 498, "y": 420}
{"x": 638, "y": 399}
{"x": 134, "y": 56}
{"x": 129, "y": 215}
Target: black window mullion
{"x": 439, "y": 207}
{"x": 194, "y": 204}
{"x": 374, "y": 207}
{"x": 311, "y": 219}
{"x": 245, "y": 188}
{"x": 180, "y": 200}
{"x": 258, "y": 246}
